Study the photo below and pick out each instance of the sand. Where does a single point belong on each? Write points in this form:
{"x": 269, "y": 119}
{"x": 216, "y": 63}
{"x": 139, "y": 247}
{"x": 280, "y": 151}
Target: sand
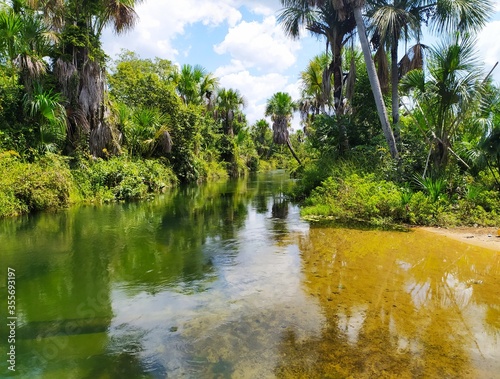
{"x": 483, "y": 237}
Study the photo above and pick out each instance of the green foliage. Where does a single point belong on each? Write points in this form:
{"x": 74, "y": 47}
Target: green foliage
{"x": 355, "y": 197}
{"x": 120, "y": 178}
{"x": 49, "y": 184}
{"x": 29, "y": 187}
{"x": 349, "y": 196}
{"x": 262, "y": 137}
{"x": 142, "y": 82}
{"x": 435, "y": 187}
{"x": 45, "y": 110}
{"x": 148, "y": 103}
{"x": 445, "y": 95}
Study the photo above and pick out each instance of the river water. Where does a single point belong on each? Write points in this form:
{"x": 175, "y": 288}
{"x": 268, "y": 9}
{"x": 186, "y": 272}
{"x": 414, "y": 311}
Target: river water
{"x": 226, "y": 281}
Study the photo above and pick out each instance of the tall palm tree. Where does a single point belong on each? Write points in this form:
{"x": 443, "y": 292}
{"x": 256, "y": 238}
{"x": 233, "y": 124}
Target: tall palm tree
{"x": 395, "y": 20}
{"x": 79, "y": 62}
{"x": 281, "y": 107}
{"x": 321, "y": 19}
{"x": 345, "y": 7}
{"x": 444, "y": 95}
{"x": 228, "y": 105}
{"x": 337, "y": 19}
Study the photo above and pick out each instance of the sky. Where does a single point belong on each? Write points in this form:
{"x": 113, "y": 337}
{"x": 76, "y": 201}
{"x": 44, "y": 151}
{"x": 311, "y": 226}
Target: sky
{"x": 241, "y": 43}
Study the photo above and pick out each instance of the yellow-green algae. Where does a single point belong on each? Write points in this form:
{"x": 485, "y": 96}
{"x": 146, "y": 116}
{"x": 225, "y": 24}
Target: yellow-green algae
{"x": 397, "y": 305}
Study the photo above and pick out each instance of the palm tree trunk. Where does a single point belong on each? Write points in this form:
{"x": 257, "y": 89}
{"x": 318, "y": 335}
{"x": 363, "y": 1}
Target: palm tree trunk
{"x": 375, "y": 84}
{"x": 395, "y": 92}
{"x": 289, "y": 144}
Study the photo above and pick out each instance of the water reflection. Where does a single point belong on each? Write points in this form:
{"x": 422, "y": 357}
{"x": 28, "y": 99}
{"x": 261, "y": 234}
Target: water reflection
{"x": 226, "y": 281}
{"x": 397, "y": 305}
{"x": 97, "y": 285}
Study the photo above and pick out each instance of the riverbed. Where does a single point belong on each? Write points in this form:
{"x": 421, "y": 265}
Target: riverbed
{"x": 225, "y": 280}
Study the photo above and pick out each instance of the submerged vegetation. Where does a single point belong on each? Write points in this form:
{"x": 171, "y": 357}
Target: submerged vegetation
{"x": 75, "y": 128}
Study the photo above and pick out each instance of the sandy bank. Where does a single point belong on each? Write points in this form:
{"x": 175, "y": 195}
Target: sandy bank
{"x": 483, "y": 237}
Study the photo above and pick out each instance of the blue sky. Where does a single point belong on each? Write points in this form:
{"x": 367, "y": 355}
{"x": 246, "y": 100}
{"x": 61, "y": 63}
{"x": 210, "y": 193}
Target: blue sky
{"x": 241, "y": 43}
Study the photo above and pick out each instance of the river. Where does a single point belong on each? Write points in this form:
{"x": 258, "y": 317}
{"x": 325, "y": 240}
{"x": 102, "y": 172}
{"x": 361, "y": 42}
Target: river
{"x": 225, "y": 280}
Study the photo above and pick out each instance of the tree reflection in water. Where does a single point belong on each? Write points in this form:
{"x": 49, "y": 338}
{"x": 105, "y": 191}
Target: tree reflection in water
{"x": 397, "y": 304}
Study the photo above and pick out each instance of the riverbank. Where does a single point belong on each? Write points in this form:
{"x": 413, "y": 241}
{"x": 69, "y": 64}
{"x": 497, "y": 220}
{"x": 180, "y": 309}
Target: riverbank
{"x": 482, "y": 237}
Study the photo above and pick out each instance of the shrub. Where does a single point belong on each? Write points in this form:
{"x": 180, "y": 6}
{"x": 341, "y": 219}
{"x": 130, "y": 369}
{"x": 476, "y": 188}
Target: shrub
{"x": 27, "y": 187}
{"x": 420, "y": 210}
{"x": 122, "y": 179}
{"x": 356, "y": 197}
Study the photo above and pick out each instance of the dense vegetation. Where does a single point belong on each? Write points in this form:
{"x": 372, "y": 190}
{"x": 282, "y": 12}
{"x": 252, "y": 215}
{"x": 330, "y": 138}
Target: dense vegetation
{"x": 437, "y": 162}
{"x": 74, "y": 127}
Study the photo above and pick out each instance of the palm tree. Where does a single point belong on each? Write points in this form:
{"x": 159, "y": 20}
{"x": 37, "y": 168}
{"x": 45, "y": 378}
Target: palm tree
{"x": 281, "y": 107}
{"x": 336, "y": 20}
{"x": 345, "y": 7}
{"x": 79, "y": 63}
{"x": 194, "y": 85}
{"x": 25, "y": 40}
{"x": 394, "y": 20}
{"x": 314, "y": 99}
{"x": 228, "y": 106}
{"x": 145, "y": 131}
{"x": 45, "y": 110}
{"x": 321, "y": 19}
{"x": 444, "y": 95}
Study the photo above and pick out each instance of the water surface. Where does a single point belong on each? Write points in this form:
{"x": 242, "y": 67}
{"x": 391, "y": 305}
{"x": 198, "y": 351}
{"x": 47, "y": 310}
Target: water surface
{"x": 226, "y": 281}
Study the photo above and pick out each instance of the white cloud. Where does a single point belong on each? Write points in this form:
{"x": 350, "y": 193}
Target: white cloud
{"x": 256, "y": 50}
{"x": 161, "y": 21}
{"x": 490, "y": 52}
{"x": 496, "y": 5}
{"x": 255, "y": 89}
{"x": 260, "y": 45}
{"x": 261, "y": 7}
{"x": 234, "y": 67}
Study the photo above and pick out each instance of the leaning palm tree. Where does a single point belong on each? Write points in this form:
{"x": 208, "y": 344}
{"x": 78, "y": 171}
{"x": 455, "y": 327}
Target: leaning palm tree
{"x": 393, "y": 21}
{"x": 396, "y": 20}
{"x": 337, "y": 19}
{"x": 346, "y": 7}
{"x": 281, "y": 107}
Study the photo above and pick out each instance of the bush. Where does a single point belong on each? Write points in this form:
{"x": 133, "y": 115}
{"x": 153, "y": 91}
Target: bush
{"x": 349, "y": 196}
{"x": 122, "y": 179}
{"x": 356, "y": 197}
{"x": 45, "y": 184}
{"x": 420, "y": 210}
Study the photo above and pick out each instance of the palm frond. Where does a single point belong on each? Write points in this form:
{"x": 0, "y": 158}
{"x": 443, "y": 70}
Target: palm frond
{"x": 121, "y": 14}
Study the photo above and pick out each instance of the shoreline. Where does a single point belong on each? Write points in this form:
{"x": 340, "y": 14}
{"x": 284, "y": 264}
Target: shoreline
{"x": 486, "y": 237}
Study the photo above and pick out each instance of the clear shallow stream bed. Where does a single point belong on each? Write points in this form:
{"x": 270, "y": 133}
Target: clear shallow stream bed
{"x": 226, "y": 281}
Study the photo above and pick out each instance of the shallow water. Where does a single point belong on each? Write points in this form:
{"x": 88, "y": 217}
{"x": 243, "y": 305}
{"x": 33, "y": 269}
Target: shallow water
{"x": 226, "y": 281}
